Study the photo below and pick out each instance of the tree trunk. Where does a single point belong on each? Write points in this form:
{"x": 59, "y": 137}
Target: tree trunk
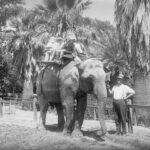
{"x": 133, "y": 51}
{"x": 27, "y": 90}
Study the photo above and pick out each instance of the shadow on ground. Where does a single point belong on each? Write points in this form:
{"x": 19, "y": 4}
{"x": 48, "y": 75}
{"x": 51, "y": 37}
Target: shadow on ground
{"x": 53, "y": 128}
{"x": 91, "y": 134}
{"x": 112, "y": 132}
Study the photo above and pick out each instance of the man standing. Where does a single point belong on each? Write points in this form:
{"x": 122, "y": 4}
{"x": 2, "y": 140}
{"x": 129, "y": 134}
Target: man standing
{"x": 120, "y": 93}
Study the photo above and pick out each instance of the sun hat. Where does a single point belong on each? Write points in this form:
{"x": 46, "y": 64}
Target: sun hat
{"x": 120, "y": 76}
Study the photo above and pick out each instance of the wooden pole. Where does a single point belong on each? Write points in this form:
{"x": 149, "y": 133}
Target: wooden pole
{"x": 135, "y": 116}
{"x": 1, "y": 108}
{"x": 138, "y": 106}
{"x": 34, "y": 107}
{"x": 130, "y": 127}
{"x": 129, "y": 116}
{"x": 10, "y": 107}
{"x": 94, "y": 113}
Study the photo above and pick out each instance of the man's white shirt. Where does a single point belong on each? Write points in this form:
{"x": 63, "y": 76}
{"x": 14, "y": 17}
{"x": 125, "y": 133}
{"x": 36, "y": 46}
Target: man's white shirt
{"x": 121, "y": 91}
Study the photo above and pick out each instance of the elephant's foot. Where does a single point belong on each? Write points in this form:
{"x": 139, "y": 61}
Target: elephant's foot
{"x": 60, "y": 127}
{"x": 41, "y": 127}
{"x": 77, "y": 133}
{"x": 101, "y": 132}
{"x": 66, "y": 132}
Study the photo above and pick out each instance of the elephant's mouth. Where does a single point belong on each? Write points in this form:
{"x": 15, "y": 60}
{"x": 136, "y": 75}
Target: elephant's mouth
{"x": 87, "y": 84}
{"x": 90, "y": 77}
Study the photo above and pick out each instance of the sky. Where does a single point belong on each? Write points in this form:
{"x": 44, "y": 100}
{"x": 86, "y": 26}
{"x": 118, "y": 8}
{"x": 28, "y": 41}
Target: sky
{"x": 99, "y": 9}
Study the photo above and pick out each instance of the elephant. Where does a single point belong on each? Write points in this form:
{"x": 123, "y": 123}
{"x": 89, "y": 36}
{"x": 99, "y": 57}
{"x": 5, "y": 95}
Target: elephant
{"x": 66, "y": 87}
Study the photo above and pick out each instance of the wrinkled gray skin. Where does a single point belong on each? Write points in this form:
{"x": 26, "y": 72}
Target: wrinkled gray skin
{"x": 74, "y": 82}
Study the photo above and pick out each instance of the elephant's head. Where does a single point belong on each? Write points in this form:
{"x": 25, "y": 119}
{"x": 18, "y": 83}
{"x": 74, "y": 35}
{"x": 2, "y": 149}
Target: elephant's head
{"x": 92, "y": 80}
{"x": 92, "y": 77}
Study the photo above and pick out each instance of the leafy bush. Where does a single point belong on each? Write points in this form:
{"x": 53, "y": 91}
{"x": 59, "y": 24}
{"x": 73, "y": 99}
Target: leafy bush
{"x": 144, "y": 119}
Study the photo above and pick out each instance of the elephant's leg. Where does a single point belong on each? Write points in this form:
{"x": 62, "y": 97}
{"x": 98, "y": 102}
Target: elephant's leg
{"x": 79, "y": 114}
{"x": 60, "y": 113}
{"x": 68, "y": 105}
{"x": 43, "y": 111}
{"x": 101, "y": 95}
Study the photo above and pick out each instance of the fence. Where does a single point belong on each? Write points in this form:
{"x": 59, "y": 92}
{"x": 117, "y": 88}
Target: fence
{"x": 134, "y": 107}
{"x": 11, "y": 103}
{"x": 91, "y": 111}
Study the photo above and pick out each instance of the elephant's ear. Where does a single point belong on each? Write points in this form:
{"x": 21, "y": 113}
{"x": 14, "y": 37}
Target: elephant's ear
{"x": 79, "y": 67}
{"x": 105, "y": 69}
{"x": 77, "y": 63}
{"x": 105, "y": 66}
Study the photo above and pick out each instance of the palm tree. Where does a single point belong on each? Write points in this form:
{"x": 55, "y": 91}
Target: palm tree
{"x": 24, "y": 48}
{"x": 132, "y": 20}
{"x": 24, "y": 32}
{"x": 63, "y": 12}
{"x": 8, "y": 9}
{"x": 59, "y": 19}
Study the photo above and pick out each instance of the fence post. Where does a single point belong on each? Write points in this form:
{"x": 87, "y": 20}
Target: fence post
{"x": 34, "y": 107}
{"x": 1, "y": 108}
{"x": 129, "y": 122}
{"x": 95, "y": 114}
{"x": 135, "y": 116}
{"x": 10, "y": 109}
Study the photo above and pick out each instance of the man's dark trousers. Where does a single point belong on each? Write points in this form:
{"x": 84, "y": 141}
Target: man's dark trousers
{"x": 120, "y": 115}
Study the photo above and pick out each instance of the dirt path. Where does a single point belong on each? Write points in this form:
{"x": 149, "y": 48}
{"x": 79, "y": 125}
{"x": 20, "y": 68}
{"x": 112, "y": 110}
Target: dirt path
{"x": 18, "y": 132}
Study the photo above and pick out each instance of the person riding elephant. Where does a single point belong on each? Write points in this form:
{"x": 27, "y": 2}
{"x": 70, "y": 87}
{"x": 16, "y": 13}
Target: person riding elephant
{"x": 63, "y": 86}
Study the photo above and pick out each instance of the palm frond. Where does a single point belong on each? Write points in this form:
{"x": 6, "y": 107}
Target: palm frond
{"x": 133, "y": 24}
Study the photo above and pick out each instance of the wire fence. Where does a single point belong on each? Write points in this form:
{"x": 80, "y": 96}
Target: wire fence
{"x": 9, "y": 104}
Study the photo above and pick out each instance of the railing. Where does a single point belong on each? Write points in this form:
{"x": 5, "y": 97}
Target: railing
{"x": 19, "y": 101}
{"x": 32, "y": 102}
{"x": 137, "y": 106}
{"x": 131, "y": 113}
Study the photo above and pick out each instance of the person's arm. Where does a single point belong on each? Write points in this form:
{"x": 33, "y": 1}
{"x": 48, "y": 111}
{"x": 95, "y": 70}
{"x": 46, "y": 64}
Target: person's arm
{"x": 130, "y": 93}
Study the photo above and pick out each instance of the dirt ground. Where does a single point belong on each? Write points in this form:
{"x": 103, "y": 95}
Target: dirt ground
{"x": 18, "y": 132}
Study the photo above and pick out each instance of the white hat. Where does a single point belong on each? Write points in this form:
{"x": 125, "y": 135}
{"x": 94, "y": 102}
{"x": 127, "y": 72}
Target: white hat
{"x": 120, "y": 76}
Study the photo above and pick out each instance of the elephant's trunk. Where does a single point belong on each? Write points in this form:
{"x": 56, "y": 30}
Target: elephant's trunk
{"x": 101, "y": 94}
